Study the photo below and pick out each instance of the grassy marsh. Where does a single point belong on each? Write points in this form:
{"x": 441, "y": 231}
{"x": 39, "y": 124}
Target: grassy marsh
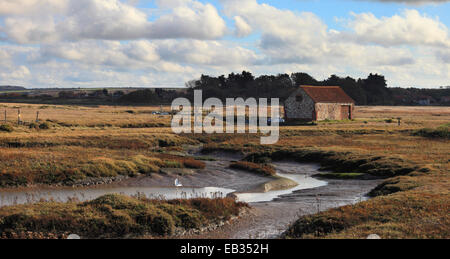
{"x": 92, "y": 141}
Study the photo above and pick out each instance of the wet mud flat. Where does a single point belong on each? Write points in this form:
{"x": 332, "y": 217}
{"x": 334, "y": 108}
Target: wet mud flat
{"x": 215, "y": 174}
{"x": 271, "y": 219}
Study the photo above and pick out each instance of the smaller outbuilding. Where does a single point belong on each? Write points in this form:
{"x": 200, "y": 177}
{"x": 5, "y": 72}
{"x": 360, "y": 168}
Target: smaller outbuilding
{"x": 316, "y": 103}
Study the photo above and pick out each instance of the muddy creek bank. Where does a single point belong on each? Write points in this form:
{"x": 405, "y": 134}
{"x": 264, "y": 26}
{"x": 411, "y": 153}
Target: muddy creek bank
{"x": 271, "y": 219}
{"x": 271, "y": 212}
{"x": 216, "y": 180}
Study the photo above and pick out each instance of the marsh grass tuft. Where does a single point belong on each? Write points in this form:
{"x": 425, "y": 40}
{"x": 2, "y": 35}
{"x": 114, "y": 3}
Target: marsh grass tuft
{"x": 116, "y": 216}
{"x": 261, "y": 169}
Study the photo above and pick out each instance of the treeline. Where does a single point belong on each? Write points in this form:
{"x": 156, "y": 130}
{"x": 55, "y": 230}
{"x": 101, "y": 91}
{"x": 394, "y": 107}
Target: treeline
{"x": 150, "y": 96}
{"x": 372, "y": 90}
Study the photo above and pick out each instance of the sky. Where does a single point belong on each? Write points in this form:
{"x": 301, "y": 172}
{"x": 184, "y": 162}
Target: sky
{"x": 165, "y": 43}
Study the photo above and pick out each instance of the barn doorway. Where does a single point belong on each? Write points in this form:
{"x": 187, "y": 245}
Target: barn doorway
{"x": 346, "y": 112}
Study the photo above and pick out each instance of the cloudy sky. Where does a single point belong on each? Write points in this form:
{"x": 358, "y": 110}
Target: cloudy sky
{"x": 92, "y": 43}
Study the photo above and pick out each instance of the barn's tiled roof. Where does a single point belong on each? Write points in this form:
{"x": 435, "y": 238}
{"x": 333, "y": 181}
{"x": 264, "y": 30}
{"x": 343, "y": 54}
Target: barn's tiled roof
{"x": 327, "y": 94}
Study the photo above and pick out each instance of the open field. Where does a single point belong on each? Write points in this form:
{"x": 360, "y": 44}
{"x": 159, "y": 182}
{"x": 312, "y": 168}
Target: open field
{"x": 81, "y": 143}
{"x": 88, "y": 116}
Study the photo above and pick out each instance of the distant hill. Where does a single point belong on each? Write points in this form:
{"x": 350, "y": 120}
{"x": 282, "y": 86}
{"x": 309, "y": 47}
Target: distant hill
{"x": 11, "y": 88}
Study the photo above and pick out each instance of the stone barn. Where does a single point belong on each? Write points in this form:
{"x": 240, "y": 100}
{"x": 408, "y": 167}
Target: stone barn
{"x": 316, "y": 103}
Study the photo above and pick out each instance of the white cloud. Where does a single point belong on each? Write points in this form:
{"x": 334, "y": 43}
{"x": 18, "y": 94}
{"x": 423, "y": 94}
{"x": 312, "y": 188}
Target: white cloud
{"x": 372, "y": 45}
{"x": 107, "y": 19}
{"x": 112, "y": 42}
{"x": 20, "y": 73}
{"x": 189, "y": 20}
{"x": 139, "y": 55}
{"x": 15, "y": 76}
{"x": 25, "y": 30}
{"x": 287, "y": 37}
{"x": 208, "y": 53}
{"x": 242, "y": 27}
{"x": 157, "y": 55}
{"x": 303, "y": 38}
{"x": 408, "y": 28}
{"x": 20, "y": 7}
{"x": 5, "y": 58}
{"x": 443, "y": 55}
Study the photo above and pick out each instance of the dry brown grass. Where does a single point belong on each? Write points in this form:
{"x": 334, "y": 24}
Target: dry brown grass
{"x": 113, "y": 216}
{"x": 82, "y": 135}
{"x": 419, "y": 207}
{"x": 87, "y": 116}
{"x": 261, "y": 169}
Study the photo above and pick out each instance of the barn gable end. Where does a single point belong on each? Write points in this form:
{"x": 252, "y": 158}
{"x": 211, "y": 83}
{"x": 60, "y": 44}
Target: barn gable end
{"x": 299, "y": 106}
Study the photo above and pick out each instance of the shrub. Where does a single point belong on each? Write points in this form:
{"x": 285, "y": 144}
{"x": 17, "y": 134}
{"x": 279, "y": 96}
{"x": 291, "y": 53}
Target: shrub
{"x": 441, "y": 132}
{"x": 114, "y": 201}
{"x": 6, "y": 128}
{"x": 162, "y": 225}
{"x": 165, "y": 143}
{"x": 315, "y": 224}
{"x": 33, "y": 125}
{"x": 45, "y": 125}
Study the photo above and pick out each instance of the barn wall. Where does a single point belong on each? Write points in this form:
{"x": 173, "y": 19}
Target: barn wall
{"x": 330, "y": 111}
{"x": 299, "y": 110}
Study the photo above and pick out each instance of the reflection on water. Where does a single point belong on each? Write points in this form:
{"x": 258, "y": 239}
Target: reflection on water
{"x": 85, "y": 194}
{"x": 304, "y": 182}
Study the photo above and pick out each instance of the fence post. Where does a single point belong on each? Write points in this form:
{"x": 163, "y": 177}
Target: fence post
{"x": 37, "y": 116}
{"x": 5, "y": 116}
{"x": 19, "y": 121}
